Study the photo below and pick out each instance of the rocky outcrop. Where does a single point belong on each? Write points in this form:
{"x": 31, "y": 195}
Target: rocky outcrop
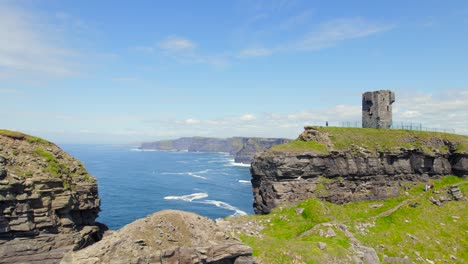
{"x": 48, "y": 201}
{"x": 166, "y": 237}
{"x": 243, "y": 148}
{"x": 285, "y": 177}
{"x": 252, "y": 146}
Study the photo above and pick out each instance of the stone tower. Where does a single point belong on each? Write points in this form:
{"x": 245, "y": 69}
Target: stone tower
{"x": 377, "y": 109}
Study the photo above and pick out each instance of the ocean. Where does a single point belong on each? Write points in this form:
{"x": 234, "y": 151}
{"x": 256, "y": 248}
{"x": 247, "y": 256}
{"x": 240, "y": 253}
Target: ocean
{"x": 134, "y": 183}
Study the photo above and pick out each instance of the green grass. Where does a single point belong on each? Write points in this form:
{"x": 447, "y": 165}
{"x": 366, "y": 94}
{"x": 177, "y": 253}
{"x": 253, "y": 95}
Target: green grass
{"x": 289, "y": 237}
{"x": 373, "y": 140}
{"x": 299, "y": 145}
{"x": 21, "y": 136}
{"x": 54, "y": 166}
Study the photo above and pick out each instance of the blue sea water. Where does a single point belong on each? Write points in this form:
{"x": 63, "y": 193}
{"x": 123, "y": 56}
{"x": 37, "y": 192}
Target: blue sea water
{"x": 133, "y": 184}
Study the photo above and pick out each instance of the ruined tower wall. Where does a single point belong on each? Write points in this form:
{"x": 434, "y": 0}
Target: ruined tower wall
{"x": 377, "y": 109}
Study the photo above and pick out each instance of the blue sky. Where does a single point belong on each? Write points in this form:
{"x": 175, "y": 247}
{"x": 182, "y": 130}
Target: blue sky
{"x": 129, "y": 71}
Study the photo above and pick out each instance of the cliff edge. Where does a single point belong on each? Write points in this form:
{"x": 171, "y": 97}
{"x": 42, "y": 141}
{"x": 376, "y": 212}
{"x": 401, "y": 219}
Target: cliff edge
{"x": 48, "y": 201}
{"x": 340, "y": 165}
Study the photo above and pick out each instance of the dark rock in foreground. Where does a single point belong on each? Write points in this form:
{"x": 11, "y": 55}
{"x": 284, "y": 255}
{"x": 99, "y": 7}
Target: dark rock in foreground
{"x": 48, "y": 201}
{"x": 166, "y": 237}
{"x": 243, "y": 148}
{"x": 286, "y": 175}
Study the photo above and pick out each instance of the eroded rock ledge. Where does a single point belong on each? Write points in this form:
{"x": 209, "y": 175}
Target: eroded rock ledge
{"x": 287, "y": 174}
{"x": 48, "y": 201}
{"x": 166, "y": 237}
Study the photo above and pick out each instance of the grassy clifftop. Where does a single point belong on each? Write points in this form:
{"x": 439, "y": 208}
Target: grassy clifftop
{"x": 29, "y": 156}
{"x": 326, "y": 139}
{"x": 409, "y": 226}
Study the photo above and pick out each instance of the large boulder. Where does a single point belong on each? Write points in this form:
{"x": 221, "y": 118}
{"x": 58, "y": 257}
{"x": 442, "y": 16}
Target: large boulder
{"x": 166, "y": 237}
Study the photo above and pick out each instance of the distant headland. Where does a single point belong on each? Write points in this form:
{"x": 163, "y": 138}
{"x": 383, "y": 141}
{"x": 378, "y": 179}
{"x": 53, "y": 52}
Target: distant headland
{"x": 243, "y": 148}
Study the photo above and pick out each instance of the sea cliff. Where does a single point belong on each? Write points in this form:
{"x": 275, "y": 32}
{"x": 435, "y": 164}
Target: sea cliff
{"x": 48, "y": 201}
{"x": 242, "y": 148}
{"x": 340, "y": 165}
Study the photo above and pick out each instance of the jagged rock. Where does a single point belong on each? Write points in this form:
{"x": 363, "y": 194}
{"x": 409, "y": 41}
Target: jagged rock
{"x": 330, "y": 233}
{"x": 3, "y": 171}
{"x": 455, "y": 192}
{"x": 322, "y": 245}
{"x": 368, "y": 255}
{"x": 287, "y": 177}
{"x": 48, "y": 202}
{"x": 404, "y": 260}
{"x": 434, "y": 201}
{"x": 166, "y": 237}
{"x": 299, "y": 210}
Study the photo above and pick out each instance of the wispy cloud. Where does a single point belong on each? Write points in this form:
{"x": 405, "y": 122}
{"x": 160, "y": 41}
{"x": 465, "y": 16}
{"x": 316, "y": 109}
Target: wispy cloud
{"x": 184, "y": 51}
{"x": 29, "y": 46}
{"x": 174, "y": 44}
{"x": 333, "y": 32}
{"x": 324, "y": 35}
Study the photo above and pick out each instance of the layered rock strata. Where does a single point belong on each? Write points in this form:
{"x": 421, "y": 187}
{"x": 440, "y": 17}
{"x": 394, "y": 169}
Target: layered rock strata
{"x": 166, "y": 237}
{"x": 48, "y": 201}
{"x": 286, "y": 177}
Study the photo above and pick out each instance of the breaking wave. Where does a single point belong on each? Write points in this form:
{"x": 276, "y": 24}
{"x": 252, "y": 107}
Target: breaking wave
{"x": 187, "y": 198}
{"x": 237, "y": 211}
{"x": 192, "y": 174}
{"x": 244, "y": 181}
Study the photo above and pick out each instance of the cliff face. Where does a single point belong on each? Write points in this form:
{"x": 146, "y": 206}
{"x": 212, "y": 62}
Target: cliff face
{"x": 166, "y": 237}
{"x": 243, "y": 148}
{"x": 311, "y": 167}
{"x": 48, "y": 201}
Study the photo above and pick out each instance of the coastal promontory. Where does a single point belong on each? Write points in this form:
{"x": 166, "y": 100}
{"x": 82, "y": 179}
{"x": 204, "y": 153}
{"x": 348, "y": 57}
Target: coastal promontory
{"x": 48, "y": 201}
{"x": 341, "y": 165}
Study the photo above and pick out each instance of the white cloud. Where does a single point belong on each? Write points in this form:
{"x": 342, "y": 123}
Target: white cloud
{"x": 177, "y": 44}
{"x": 29, "y": 45}
{"x": 410, "y": 114}
{"x": 248, "y": 117}
{"x": 445, "y": 109}
{"x": 192, "y": 121}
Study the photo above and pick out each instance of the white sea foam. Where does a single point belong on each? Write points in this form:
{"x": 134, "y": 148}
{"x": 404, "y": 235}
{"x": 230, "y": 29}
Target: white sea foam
{"x": 144, "y": 150}
{"x": 192, "y": 174}
{"x": 196, "y": 176}
{"x": 233, "y": 163}
{"x": 187, "y": 198}
{"x": 244, "y": 181}
{"x": 237, "y": 211}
